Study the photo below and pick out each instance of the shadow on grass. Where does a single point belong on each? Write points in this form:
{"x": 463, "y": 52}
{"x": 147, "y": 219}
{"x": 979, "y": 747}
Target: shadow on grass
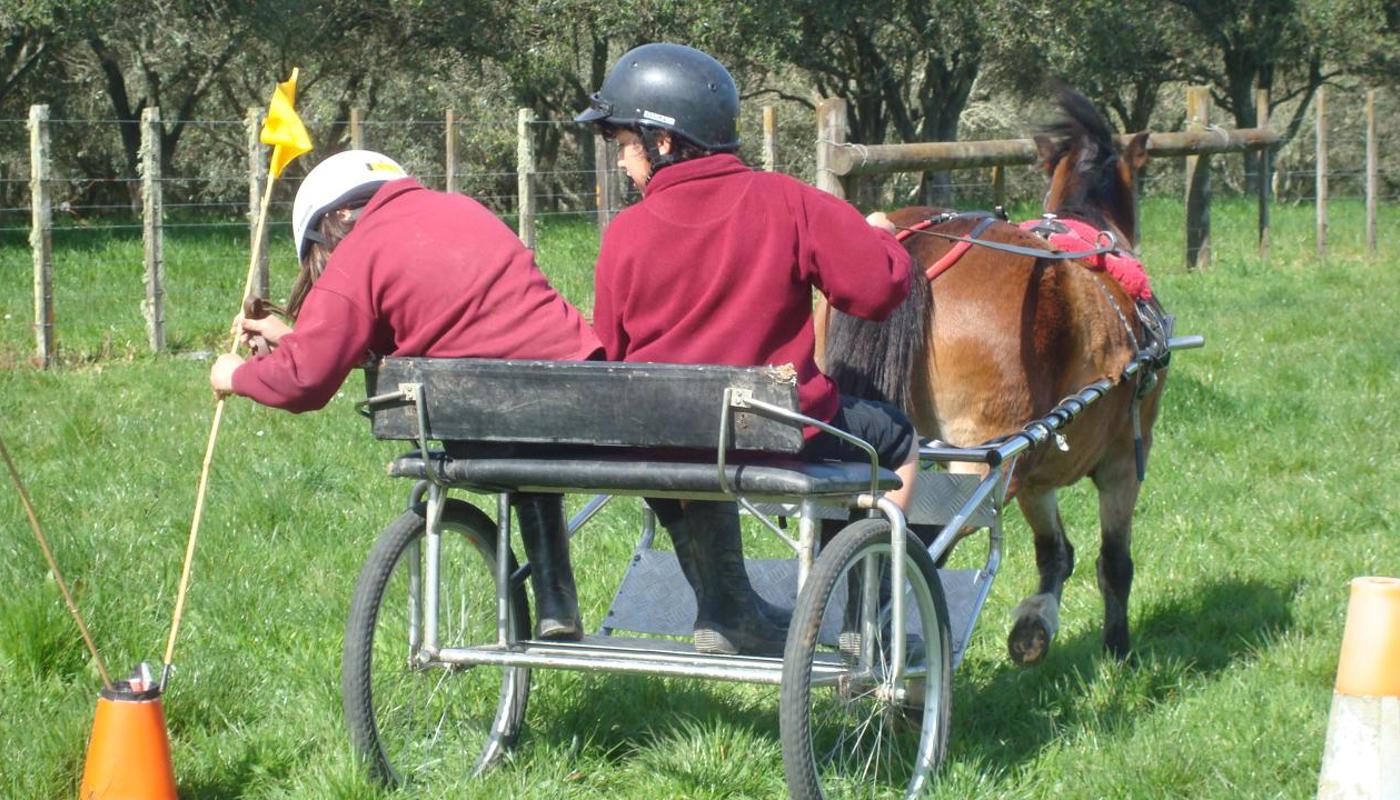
{"x": 1016, "y": 712}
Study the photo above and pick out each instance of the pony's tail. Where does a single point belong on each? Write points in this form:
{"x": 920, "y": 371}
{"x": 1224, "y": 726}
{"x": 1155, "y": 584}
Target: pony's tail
{"x": 875, "y": 360}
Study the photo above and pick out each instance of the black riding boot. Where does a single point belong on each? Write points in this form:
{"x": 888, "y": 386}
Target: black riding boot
{"x": 546, "y": 539}
{"x": 729, "y": 618}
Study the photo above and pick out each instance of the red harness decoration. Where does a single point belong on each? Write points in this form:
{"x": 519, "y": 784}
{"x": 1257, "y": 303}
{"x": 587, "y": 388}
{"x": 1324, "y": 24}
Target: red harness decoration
{"x": 1125, "y": 269}
{"x": 949, "y": 258}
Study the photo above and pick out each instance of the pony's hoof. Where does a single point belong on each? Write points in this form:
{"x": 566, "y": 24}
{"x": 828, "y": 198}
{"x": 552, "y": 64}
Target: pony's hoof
{"x": 1029, "y": 641}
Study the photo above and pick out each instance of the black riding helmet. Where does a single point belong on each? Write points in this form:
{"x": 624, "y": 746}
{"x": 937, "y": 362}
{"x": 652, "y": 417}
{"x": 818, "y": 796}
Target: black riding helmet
{"x": 673, "y": 88}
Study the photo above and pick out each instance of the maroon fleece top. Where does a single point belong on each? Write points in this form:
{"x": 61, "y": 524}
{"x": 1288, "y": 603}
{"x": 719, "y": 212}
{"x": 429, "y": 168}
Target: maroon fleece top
{"x": 422, "y": 273}
{"x": 716, "y": 265}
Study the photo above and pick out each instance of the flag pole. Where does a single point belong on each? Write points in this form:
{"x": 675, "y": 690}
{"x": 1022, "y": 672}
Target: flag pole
{"x": 53, "y": 565}
{"x": 282, "y": 129}
{"x": 259, "y": 239}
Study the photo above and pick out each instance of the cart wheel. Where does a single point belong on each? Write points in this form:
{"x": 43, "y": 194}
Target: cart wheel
{"x": 848, "y": 730}
{"x": 410, "y": 718}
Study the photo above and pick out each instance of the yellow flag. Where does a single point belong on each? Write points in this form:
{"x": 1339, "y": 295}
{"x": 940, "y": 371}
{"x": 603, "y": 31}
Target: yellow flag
{"x": 283, "y": 129}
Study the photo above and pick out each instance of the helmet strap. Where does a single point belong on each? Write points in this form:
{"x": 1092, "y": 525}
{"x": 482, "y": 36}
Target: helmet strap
{"x": 649, "y": 138}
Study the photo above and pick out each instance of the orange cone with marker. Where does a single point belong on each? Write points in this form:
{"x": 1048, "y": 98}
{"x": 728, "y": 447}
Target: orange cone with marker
{"x": 128, "y": 757}
{"x": 1362, "y": 757}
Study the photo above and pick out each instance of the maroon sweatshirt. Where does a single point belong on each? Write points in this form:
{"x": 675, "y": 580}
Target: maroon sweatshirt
{"x": 716, "y": 265}
{"x": 422, "y": 273}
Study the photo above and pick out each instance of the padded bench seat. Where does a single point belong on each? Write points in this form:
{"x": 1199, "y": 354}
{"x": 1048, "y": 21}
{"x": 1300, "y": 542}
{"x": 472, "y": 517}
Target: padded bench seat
{"x": 769, "y": 479}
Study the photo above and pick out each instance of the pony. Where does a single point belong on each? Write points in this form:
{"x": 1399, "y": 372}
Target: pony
{"x": 998, "y": 339}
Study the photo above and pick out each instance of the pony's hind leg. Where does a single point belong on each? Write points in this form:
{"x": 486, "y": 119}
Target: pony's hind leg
{"x": 1037, "y": 618}
{"x": 1118, "y": 493}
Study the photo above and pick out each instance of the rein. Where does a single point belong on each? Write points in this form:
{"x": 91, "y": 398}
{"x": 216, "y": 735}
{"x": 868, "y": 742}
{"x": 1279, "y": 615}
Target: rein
{"x": 1033, "y": 252}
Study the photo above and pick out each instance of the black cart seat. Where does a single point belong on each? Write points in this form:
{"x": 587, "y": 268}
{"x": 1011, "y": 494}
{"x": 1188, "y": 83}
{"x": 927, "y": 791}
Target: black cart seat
{"x": 772, "y": 479}
{"x": 551, "y": 426}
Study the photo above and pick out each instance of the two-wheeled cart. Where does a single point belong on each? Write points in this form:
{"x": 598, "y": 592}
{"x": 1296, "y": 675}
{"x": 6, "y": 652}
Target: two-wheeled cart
{"x": 438, "y": 648}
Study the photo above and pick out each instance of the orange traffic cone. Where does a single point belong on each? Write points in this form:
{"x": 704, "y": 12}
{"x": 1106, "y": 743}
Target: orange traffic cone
{"x": 1362, "y": 757}
{"x": 128, "y": 757}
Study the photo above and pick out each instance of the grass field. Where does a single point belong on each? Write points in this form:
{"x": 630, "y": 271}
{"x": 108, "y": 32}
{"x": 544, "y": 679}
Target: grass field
{"x": 1271, "y": 485}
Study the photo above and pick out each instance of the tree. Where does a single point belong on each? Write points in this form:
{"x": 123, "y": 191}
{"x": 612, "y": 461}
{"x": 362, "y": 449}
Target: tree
{"x": 906, "y": 67}
{"x": 1118, "y": 53}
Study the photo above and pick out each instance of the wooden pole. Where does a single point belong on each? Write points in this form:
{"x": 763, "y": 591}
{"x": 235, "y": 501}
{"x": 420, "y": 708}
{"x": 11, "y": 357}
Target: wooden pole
{"x": 152, "y": 230}
{"x": 999, "y": 185}
{"x": 770, "y": 139}
{"x": 357, "y": 131}
{"x": 203, "y": 489}
{"x": 1321, "y": 175}
{"x": 53, "y": 566}
{"x": 607, "y": 188}
{"x": 41, "y": 234}
{"x": 525, "y": 176}
{"x": 257, "y": 183}
{"x": 1372, "y": 172}
{"x": 450, "y": 153}
{"x": 1265, "y": 180}
{"x": 1197, "y": 184}
{"x": 831, "y": 135}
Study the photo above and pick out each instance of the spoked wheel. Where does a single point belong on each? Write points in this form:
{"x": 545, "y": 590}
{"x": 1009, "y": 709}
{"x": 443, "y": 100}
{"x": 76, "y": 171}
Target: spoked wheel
{"x": 848, "y": 728}
{"x": 412, "y": 717}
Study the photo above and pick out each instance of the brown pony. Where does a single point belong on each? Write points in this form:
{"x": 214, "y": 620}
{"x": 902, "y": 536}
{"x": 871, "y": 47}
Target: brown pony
{"x": 998, "y": 339}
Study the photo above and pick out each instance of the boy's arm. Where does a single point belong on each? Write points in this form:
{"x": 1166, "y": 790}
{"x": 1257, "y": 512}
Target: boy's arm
{"x": 858, "y": 264}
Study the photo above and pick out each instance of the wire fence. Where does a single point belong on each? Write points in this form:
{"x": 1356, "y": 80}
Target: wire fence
{"x": 552, "y": 172}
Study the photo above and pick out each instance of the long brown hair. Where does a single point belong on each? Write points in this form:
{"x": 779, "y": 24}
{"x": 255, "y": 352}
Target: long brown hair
{"x": 333, "y": 227}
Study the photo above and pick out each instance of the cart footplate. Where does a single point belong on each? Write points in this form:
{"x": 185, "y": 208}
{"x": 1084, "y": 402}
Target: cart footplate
{"x": 654, "y": 597}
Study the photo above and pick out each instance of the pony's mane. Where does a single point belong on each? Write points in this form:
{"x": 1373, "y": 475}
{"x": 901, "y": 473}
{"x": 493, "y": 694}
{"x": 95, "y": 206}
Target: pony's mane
{"x": 1083, "y": 130}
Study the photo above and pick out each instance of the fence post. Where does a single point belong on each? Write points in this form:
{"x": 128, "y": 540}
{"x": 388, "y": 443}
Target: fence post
{"x": 1321, "y": 175}
{"x": 357, "y": 131}
{"x": 525, "y": 176}
{"x": 1197, "y": 184}
{"x": 831, "y": 133}
{"x": 41, "y": 234}
{"x": 1266, "y": 156}
{"x": 770, "y": 139}
{"x": 1372, "y": 172}
{"x": 449, "y": 146}
{"x": 999, "y": 185}
{"x": 152, "y": 232}
{"x": 257, "y": 184}
{"x": 608, "y": 191}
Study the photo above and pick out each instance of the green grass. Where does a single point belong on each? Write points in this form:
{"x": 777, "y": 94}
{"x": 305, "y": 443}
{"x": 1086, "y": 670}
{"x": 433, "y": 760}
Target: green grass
{"x": 1270, "y": 487}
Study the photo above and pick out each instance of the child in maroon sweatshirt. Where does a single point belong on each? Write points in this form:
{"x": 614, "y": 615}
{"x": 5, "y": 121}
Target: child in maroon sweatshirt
{"x": 390, "y": 268}
{"x": 716, "y": 265}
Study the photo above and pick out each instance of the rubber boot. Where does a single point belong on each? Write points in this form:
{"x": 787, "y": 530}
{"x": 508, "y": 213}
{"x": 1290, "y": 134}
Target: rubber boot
{"x": 546, "y": 539}
{"x": 717, "y": 515}
{"x": 728, "y": 618}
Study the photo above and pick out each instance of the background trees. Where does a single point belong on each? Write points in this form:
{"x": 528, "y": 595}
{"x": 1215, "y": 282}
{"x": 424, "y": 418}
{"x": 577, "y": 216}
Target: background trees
{"x": 910, "y": 69}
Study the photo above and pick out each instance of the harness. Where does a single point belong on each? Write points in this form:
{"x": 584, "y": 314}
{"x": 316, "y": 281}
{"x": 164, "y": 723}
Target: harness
{"x": 1156, "y": 326}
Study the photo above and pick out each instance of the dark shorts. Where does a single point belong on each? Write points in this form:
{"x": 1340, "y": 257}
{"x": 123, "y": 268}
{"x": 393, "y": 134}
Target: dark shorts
{"x": 881, "y": 424}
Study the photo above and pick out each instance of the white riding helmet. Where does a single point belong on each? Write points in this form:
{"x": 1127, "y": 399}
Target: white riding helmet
{"x": 341, "y": 179}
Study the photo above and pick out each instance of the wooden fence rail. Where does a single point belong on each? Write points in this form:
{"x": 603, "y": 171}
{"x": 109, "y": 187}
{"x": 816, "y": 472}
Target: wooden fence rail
{"x": 838, "y": 159}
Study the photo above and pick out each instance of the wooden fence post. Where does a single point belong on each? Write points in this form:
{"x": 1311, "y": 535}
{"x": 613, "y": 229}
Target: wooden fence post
{"x": 999, "y": 185}
{"x": 1372, "y": 172}
{"x": 41, "y": 234}
{"x": 450, "y": 153}
{"x": 607, "y": 188}
{"x": 357, "y": 131}
{"x": 1266, "y": 156}
{"x": 770, "y": 139}
{"x": 525, "y": 176}
{"x": 152, "y": 231}
{"x": 257, "y": 184}
{"x": 1197, "y": 184}
{"x": 831, "y": 134}
{"x": 1320, "y": 108}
